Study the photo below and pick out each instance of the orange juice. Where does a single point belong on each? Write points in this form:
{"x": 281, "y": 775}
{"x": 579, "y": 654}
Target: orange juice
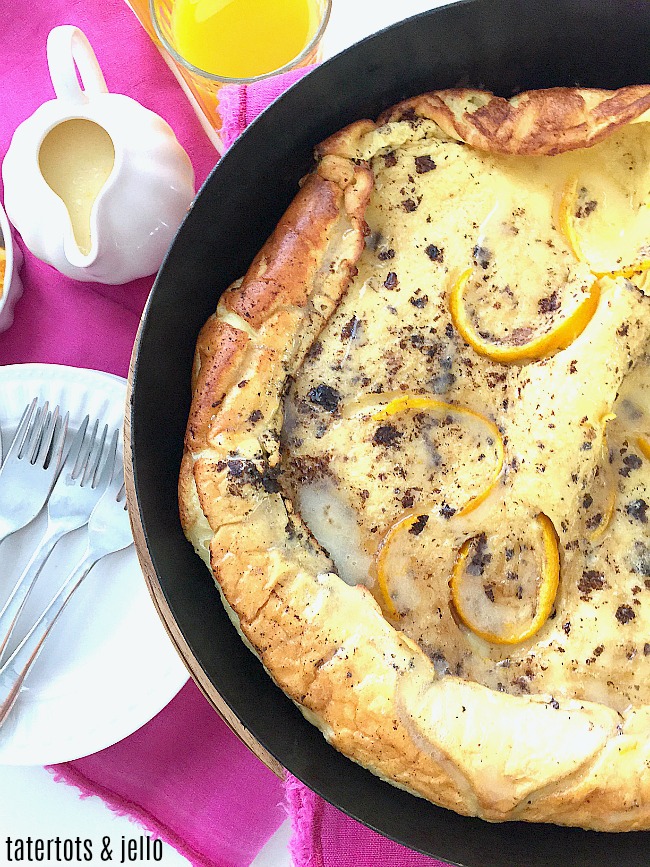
{"x": 242, "y": 38}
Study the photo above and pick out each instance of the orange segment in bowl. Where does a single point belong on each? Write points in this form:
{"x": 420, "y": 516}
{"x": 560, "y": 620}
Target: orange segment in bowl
{"x": 503, "y": 589}
{"x": 559, "y": 337}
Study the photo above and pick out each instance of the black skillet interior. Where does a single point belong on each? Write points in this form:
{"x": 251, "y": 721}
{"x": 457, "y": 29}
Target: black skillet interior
{"x": 501, "y": 45}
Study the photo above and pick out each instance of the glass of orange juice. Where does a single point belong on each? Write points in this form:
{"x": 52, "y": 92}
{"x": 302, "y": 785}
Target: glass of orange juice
{"x": 219, "y": 42}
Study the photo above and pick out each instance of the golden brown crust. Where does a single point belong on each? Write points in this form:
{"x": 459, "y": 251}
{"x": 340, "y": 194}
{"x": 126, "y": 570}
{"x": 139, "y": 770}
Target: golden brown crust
{"x": 372, "y": 691}
{"x": 280, "y": 273}
{"x": 283, "y": 271}
{"x": 537, "y": 122}
{"x": 344, "y": 141}
{"x": 219, "y": 349}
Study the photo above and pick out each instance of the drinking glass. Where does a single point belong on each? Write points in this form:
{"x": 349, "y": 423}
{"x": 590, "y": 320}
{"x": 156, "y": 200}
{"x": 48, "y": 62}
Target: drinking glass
{"x": 204, "y": 86}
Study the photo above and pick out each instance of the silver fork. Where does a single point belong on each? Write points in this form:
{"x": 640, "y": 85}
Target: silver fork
{"x": 109, "y": 530}
{"x": 83, "y": 479}
{"x": 31, "y": 466}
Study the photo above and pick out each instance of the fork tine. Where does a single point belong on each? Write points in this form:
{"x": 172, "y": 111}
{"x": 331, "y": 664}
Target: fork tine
{"x": 21, "y": 434}
{"x": 117, "y": 483}
{"x": 30, "y": 448}
{"x": 36, "y": 434}
{"x": 47, "y": 449}
{"x": 58, "y": 443}
{"x": 85, "y": 447}
{"x": 90, "y": 470}
{"x": 44, "y": 435}
{"x": 72, "y": 454}
{"x": 109, "y": 464}
{"x": 28, "y": 442}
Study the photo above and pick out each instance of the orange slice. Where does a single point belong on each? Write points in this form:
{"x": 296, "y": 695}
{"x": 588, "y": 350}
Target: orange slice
{"x": 381, "y": 570}
{"x": 409, "y": 518}
{"x": 417, "y": 402}
{"x": 605, "y": 491}
{"x": 567, "y": 219}
{"x": 568, "y": 228}
{"x": 644, "y": 447}
{"x": 606, "y": 515}
{"x": 539, "y": 347}
{"x": 503, "y": 610}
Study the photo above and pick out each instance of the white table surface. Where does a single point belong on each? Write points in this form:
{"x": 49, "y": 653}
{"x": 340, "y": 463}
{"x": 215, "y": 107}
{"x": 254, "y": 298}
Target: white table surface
{"x": 31, "y": 802}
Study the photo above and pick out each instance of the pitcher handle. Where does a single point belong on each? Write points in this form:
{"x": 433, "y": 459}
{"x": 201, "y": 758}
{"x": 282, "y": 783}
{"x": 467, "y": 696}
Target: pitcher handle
{"x": 69, "y": 50}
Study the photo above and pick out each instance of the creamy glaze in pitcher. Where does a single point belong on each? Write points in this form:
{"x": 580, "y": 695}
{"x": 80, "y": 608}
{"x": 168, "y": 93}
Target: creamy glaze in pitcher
{"x": 95, "y": 183}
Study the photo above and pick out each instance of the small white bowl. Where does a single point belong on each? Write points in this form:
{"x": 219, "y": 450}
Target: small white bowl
{"x": 12, "y": 288}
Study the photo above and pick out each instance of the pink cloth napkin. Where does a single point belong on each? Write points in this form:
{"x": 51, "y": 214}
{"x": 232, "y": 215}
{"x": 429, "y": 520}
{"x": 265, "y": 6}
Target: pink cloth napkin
{"x": 188, "y": 780}
{"x": 240, "y": 104}
{"x": 325, "y": 837}
{"x": 184, "y": 776}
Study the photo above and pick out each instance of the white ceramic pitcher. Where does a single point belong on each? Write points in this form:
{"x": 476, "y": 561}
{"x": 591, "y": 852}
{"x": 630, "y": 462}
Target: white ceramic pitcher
{"x": 95, "y": 183}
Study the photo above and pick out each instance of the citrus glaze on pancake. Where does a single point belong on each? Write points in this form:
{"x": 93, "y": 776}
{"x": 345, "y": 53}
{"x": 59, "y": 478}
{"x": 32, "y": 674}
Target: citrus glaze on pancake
{"x": 530, "y": 234}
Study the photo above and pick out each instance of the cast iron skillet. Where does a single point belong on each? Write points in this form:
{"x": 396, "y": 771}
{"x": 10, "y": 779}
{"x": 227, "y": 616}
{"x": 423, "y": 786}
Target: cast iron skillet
{"x": 502, "y": 45}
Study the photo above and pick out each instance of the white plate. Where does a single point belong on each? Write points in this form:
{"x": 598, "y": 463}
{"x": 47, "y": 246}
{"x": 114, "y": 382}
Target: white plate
{"x": 108, "y": 666}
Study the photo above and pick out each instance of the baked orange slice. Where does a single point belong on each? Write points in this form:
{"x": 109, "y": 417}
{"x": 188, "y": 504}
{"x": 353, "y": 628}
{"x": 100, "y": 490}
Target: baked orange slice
{"x": 602, "y": 502}
{"x": 503, "y": 588}
{"x": 381, "y": 569}
{"x": 644, "y": 446}
{"x": 431, "y": 405}
{"x": 420, "y": 403}
{"x": 567, "y": 221}
{"x": 535, "y": 347}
